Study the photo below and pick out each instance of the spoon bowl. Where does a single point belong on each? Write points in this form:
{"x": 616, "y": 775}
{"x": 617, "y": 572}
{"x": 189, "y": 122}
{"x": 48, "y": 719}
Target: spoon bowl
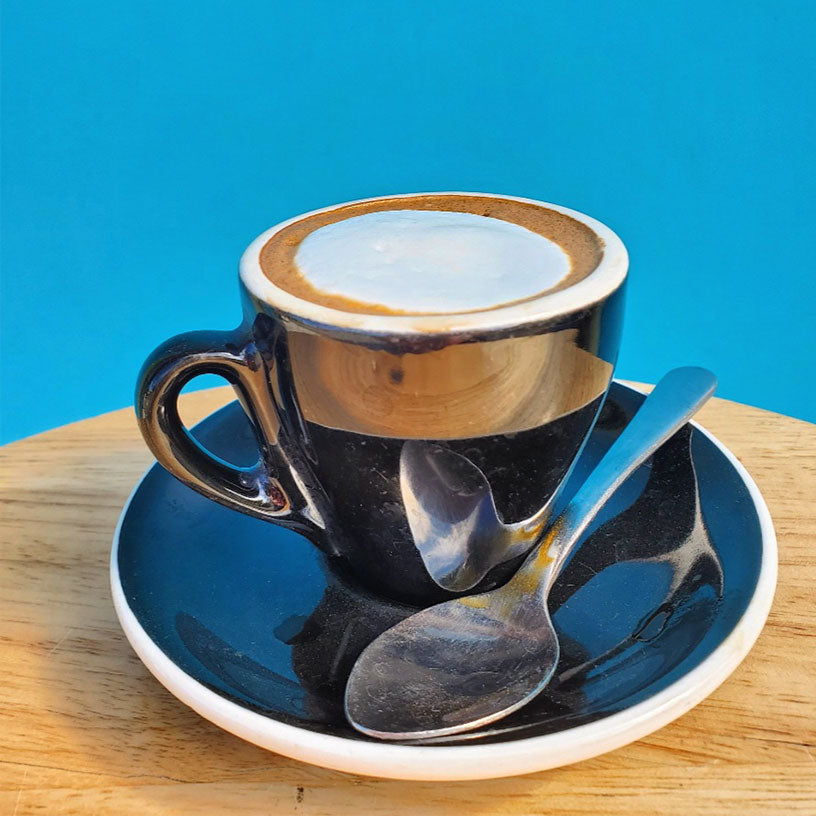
{"x": 460, "y": 665}
{"x": 453, "y": 518}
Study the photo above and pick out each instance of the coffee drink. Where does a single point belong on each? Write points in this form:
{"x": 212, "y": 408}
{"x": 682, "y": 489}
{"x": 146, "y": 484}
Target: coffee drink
{"x": 400, "y": 358}
{"x": 431, "y": 254}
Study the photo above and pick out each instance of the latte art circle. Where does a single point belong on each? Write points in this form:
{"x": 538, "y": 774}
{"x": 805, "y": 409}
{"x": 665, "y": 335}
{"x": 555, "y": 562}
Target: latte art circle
{"x": 460, "y": 258}
{"x": 430, "y": 261}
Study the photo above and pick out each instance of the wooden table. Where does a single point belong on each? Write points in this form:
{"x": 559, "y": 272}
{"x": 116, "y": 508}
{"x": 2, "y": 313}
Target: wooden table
{"x": 84, "y": 728}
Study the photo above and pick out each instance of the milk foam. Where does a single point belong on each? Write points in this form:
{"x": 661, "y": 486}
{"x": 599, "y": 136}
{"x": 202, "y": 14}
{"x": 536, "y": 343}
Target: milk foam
{"x": 429, "y": 261}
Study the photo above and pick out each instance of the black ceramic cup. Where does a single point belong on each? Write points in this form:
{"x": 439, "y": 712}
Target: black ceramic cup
{"x": 379, "y": 432}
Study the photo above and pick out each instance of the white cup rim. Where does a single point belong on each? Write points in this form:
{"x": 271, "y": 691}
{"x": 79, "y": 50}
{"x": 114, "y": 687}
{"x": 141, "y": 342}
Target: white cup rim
{"x": 595, "y": 287}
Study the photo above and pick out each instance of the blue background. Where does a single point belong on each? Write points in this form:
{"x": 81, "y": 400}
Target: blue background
{"x": 145, "y": 144}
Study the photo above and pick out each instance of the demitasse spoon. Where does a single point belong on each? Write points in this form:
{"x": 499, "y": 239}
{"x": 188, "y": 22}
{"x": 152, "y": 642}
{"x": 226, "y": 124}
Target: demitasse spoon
{"x": 453, "y": 518}
{"x": 471, "y": 661}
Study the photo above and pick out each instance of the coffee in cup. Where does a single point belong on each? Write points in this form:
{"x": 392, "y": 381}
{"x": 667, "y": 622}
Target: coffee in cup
{"x": 417, "y": 255}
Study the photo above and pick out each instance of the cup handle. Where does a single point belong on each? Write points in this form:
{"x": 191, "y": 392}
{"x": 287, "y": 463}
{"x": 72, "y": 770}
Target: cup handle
{"x": 255, "y": 490}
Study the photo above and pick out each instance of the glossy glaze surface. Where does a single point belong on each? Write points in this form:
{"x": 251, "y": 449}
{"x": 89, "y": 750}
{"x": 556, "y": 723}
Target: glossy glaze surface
{"x": 332, "y": 413}
{"x": 335, "y": 392}
{"x": 256, "y": 614}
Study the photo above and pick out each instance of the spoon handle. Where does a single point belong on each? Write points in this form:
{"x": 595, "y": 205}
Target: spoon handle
{"x": 674, "y": 400}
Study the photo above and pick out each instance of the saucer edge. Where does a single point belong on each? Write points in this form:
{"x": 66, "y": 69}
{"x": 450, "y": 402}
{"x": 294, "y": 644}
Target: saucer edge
{"x": 470, "y": 762}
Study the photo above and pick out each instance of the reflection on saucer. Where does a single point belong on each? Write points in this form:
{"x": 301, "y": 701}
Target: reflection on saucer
{"x": 324, "y": 647}
{"x": 633, "y": 602}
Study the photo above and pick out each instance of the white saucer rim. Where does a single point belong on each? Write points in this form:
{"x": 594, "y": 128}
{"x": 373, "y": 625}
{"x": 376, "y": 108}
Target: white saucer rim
{"x": 477, "y": 761}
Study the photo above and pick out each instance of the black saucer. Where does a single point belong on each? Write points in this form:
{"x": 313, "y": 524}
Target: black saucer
{"x": 224, "y": 608}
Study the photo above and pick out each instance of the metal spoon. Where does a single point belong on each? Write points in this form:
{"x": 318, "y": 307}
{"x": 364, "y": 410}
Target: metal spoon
{"x": 453, "y": 518}
{"x": 468, "y": 662}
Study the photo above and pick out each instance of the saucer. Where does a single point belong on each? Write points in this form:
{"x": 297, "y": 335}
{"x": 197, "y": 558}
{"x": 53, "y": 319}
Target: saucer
{"x": 247, "y": 623}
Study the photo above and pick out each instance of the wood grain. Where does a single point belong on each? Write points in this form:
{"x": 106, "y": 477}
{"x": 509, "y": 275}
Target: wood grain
{"x": 86, "y": 729}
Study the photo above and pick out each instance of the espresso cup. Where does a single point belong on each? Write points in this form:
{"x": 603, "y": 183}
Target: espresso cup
{"x": 391, "y": 436}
